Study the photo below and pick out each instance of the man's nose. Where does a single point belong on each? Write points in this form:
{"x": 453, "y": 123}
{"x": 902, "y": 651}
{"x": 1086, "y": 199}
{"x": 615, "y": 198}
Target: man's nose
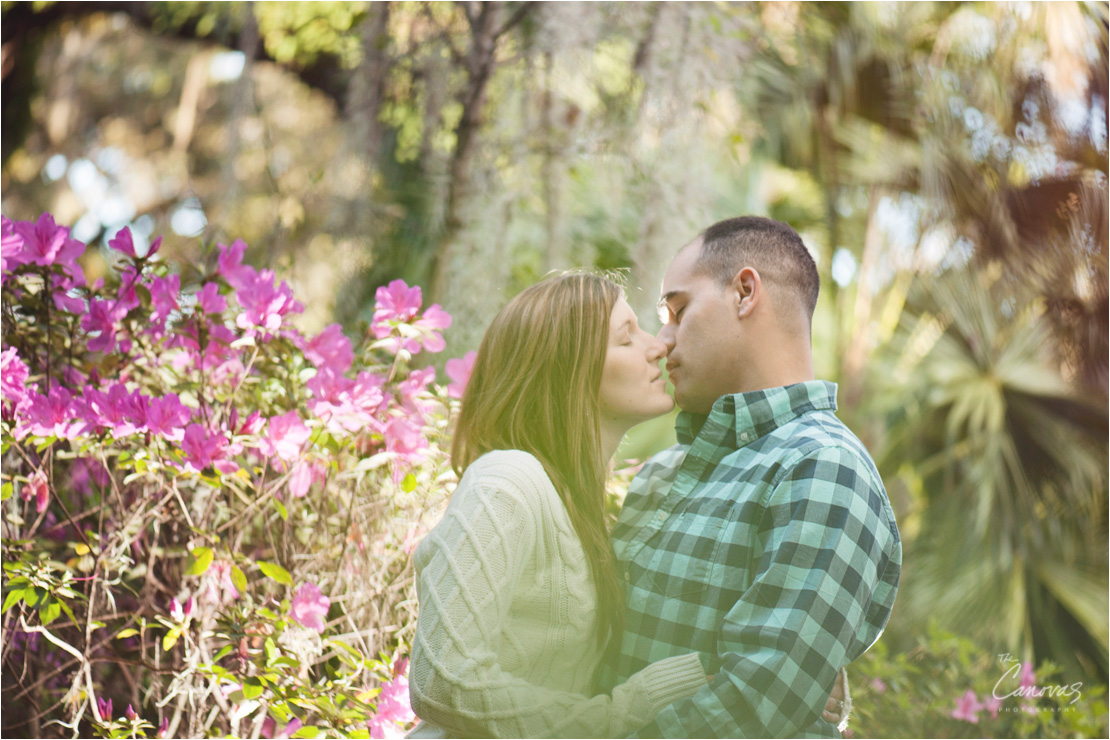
{"x": 657, "y": 350}
{"x": 666, "y": 338}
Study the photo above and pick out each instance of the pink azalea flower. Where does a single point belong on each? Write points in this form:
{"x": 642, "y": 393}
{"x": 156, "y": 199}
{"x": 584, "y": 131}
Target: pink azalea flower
{"x": 37, "y": 488}
{"x": 368, "y": 393}
{"x": 45, "y": 243}
{"x": 121, "y": 411}
{"x": 878, "y": 685}
{"x": 392, "y": 704}
{"x": 228, "y": 371}
{"x": 164, "y": 728}
{"x": 104, "y": 708}
{"x": 166, "y": 416}
{"x": 286, "y": 437}
{"x": 303, "y": 475}
{"x": 253, "y": 424}
{"x": 49, "y": 415}
{"x": 12, "y": 253}
{"x": 179, "y": 613}
{"x": 458, "y": 370}
{"x": 203, "y": 448}
{"x": 230, "y": 261}
{"x": 209, "y": 299}
{"x": 62, "y": 286}
{"x": 265, "y": 305}
{"x": 163, "y": 296}
{"x": 406, "y": 440}
{"x": 992, "y": 705}
{"x": 123, "y": 242}
{"x": 397, "y": 304}
{"x": 1028, "y": 675}
{"x": 101, "y": 321}
{"x": 397, "y": 301}
{"x": 967, "y": 708}
{"x": 127, "y": 298}
{"x": 330, "y": 348}
{"x": 269, "y": 727}
{"x": 433, "y": 319}
{"x": 220, "y": 589}
{"x": 13, "y": 376}
{"x": 310, "y": 607}
{"x": 416, "y": 382}
{"x": 412, "y": 387}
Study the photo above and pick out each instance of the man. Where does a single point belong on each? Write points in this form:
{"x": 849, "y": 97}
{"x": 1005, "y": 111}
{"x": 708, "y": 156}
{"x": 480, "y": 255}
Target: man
{"x": 764, "y": 540}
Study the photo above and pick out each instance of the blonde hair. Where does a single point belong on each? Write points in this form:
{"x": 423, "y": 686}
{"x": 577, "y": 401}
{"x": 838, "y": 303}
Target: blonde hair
{"x": 535, "y": 387}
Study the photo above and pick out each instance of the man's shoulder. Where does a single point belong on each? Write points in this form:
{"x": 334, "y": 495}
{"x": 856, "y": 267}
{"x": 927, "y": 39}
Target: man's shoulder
{"x": 821, "y": 434}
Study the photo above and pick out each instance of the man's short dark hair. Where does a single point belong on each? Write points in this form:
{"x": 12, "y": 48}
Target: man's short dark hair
{"x": 771, "y": 247}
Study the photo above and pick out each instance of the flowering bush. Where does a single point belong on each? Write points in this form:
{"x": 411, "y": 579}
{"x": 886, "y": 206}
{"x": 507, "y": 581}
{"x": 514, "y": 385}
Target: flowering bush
{"x": 208, "y": 515}
{"x": 948, "y": 687}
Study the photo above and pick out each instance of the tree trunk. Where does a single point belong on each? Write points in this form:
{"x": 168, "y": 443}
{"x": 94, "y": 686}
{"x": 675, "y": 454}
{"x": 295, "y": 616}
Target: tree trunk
{"x": 479, "y": 65}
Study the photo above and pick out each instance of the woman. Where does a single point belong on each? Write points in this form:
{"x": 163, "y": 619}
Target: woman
{"x": 518, "y": 590}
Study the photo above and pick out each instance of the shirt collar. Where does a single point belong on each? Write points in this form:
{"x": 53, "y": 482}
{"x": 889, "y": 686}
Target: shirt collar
{"x": 741, "y": 418}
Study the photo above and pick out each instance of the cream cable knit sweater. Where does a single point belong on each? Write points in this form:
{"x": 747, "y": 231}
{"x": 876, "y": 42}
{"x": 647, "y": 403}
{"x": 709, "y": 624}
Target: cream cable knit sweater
{"x": 505, "y": 642}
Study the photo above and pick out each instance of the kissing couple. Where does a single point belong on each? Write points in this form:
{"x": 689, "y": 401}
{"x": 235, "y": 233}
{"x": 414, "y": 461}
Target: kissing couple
{"x": 750, "y": 564}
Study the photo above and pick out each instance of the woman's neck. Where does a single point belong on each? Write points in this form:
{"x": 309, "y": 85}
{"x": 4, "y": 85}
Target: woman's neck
{"x": 611, "y": 436}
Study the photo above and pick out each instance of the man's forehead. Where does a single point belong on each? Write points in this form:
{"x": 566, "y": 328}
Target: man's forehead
{"x": 681, "y": 272}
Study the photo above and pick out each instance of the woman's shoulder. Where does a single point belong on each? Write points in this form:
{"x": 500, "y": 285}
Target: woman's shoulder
{"x": 519, "y": 470}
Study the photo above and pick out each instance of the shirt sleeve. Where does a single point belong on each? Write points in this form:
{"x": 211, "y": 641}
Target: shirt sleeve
{"x": 470, "y": 568}
{"x": 823, "y": 541}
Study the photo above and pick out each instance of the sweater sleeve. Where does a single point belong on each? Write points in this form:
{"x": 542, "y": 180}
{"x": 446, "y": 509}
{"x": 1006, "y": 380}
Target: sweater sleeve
{"x": 470, "y": 567}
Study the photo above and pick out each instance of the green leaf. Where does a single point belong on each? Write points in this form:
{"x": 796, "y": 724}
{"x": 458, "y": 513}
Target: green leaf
{"x": 49, "y": 611}
{"x": 238, "y": 579}
{"x": 32, "y": 596}
{"x": 13, "y": 596}
{"x": 271, "y": 650}
{"x": 276, "y": 572}
{"x": 281, "y": 509}
{"x": 124, "y": 634}
{"x": 252, "y": 688}
{"x": 69, "y": 612}
{"x": 171, "y": 639}
{"x": 5, "y": 492}
{"x": 222, "y": 652}
{"x": 306, "y": 731}
{"x": 202, "y": 558}
{"x": 408, "y": 485}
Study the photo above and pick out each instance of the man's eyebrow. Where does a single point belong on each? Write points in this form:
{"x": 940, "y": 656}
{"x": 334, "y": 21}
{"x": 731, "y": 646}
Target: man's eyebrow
{"x": 668, "y": 296}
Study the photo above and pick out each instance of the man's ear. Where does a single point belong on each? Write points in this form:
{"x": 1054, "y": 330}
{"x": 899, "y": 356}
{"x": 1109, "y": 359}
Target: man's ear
{"x": 747, "y": 289}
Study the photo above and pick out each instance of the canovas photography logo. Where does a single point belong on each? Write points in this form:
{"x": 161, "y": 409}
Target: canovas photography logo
{"x": 1019, "y": 681}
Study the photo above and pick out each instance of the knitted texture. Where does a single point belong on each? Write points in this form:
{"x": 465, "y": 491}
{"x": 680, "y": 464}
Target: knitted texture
{"x": 504, "y": 642}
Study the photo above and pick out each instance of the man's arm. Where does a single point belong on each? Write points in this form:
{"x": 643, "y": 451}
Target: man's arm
{"x": 824, "y": 543}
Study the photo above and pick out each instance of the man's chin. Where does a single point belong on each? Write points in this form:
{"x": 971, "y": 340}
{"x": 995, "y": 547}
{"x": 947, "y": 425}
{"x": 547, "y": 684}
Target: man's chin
{"x": 691, "y": 405}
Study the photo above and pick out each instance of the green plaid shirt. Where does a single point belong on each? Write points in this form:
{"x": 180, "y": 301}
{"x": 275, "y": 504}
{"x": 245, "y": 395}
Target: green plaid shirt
{"x": 765, "y": 541}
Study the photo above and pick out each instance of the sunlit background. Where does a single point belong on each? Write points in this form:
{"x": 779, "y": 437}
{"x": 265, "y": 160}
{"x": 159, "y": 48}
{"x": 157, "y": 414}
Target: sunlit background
{"x": 945, "y": 163}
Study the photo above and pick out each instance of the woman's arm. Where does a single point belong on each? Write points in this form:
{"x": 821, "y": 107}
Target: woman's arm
{"x": 471, "y": 567}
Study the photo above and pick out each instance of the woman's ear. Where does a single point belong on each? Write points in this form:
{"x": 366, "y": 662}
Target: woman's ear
{"x": 748, "y": 290}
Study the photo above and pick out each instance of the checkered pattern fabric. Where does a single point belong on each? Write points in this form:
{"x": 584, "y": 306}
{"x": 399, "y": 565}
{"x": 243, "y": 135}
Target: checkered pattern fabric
{"x": 765, "y": 541}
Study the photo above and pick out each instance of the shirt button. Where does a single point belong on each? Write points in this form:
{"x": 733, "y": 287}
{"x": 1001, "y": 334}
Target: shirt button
{"x": 743, "y": 436}
{"x": 661, "y": 516}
